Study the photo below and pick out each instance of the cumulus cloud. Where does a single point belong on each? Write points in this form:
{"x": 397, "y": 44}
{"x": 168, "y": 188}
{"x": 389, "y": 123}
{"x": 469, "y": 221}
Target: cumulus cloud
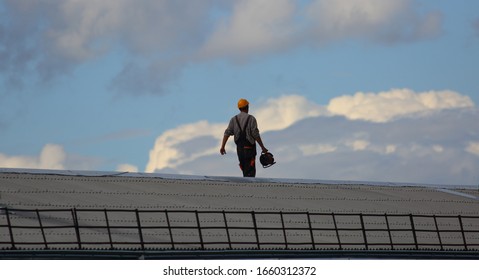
{"x": 384, "y": 106}
{"x": 171, "y": 148}
{"x": 52, "y": 156}
{"x": 421, "y": 149}
{"x": 424, "y": 149}
{"x": 281, "y": 112}
{"x": 314, "y": 141}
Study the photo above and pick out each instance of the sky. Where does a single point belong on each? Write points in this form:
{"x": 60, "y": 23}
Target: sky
{"x": 367, "y": 90}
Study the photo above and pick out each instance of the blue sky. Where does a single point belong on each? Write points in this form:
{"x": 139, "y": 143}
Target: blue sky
{"x": 96, "y": 84}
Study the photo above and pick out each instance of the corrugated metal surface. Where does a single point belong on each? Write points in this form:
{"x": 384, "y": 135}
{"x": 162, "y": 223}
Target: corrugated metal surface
{"x": 33, "y": 191}
{"x": 152, "y": 192}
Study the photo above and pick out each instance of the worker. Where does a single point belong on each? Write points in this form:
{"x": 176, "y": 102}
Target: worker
{"x": 245, "y": 130}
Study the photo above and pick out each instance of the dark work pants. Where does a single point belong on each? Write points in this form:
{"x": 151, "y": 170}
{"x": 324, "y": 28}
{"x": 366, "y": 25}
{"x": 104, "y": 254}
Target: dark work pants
{"x": 247, "y": 160}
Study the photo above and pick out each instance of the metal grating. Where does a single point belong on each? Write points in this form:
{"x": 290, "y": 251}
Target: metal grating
{"x": 134, "y": 229}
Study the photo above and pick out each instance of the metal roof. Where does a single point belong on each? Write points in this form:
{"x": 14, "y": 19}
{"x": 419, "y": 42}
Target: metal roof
{"x": 56, "y": 189}
{"x": 197, "y": 208}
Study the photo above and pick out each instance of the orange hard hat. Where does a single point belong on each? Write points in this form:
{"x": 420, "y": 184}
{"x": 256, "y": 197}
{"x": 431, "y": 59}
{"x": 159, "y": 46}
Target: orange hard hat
{"x": 242, "y": 103}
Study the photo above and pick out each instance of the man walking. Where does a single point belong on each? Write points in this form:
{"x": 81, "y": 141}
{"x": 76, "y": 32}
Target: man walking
{"x": 245, "y": 130}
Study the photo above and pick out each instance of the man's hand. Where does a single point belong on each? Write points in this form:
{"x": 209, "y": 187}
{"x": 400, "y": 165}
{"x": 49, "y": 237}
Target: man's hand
{"x": 223, "y": 144}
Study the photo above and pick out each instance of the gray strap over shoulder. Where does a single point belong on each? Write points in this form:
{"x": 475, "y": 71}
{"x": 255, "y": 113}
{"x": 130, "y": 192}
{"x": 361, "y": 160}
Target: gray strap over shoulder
{"x": 245, "y": 125}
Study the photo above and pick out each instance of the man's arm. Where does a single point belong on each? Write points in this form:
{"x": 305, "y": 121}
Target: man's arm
{"x": 260, "y": 142}
{"x": 228, "y": 132}
{"x": 256, "y": 135}
{"x": 223, "y": 144}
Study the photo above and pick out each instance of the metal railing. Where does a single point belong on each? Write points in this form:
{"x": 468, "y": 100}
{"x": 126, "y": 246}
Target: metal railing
{"x": 135, "y": 229}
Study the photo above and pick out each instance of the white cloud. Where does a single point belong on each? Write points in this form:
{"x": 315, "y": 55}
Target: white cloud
{"x": 358, "y": 145}
{"x": 390, "y": 149}
{"x": 438, "y": 148}
{"x": 126, "y": 168}
{"x": 316, "y": 149}
{"x": 378, "y": 20}
{"x": 385, "y": 106}
{"x": 155, "y": 34}
{"x": 168, "y": 153}
{"x": 83, "y": 22}
{"x": 473, "y": 148}
{"x": 82, "y": 29}
{"x": 420, "y": 149}
{"x": 346, "y": 18}
{"x": 412, "y": 149}
{"x": 52, "y": 156}
{"x": 281, "y": 112}
{"x": 255, "y": 26}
